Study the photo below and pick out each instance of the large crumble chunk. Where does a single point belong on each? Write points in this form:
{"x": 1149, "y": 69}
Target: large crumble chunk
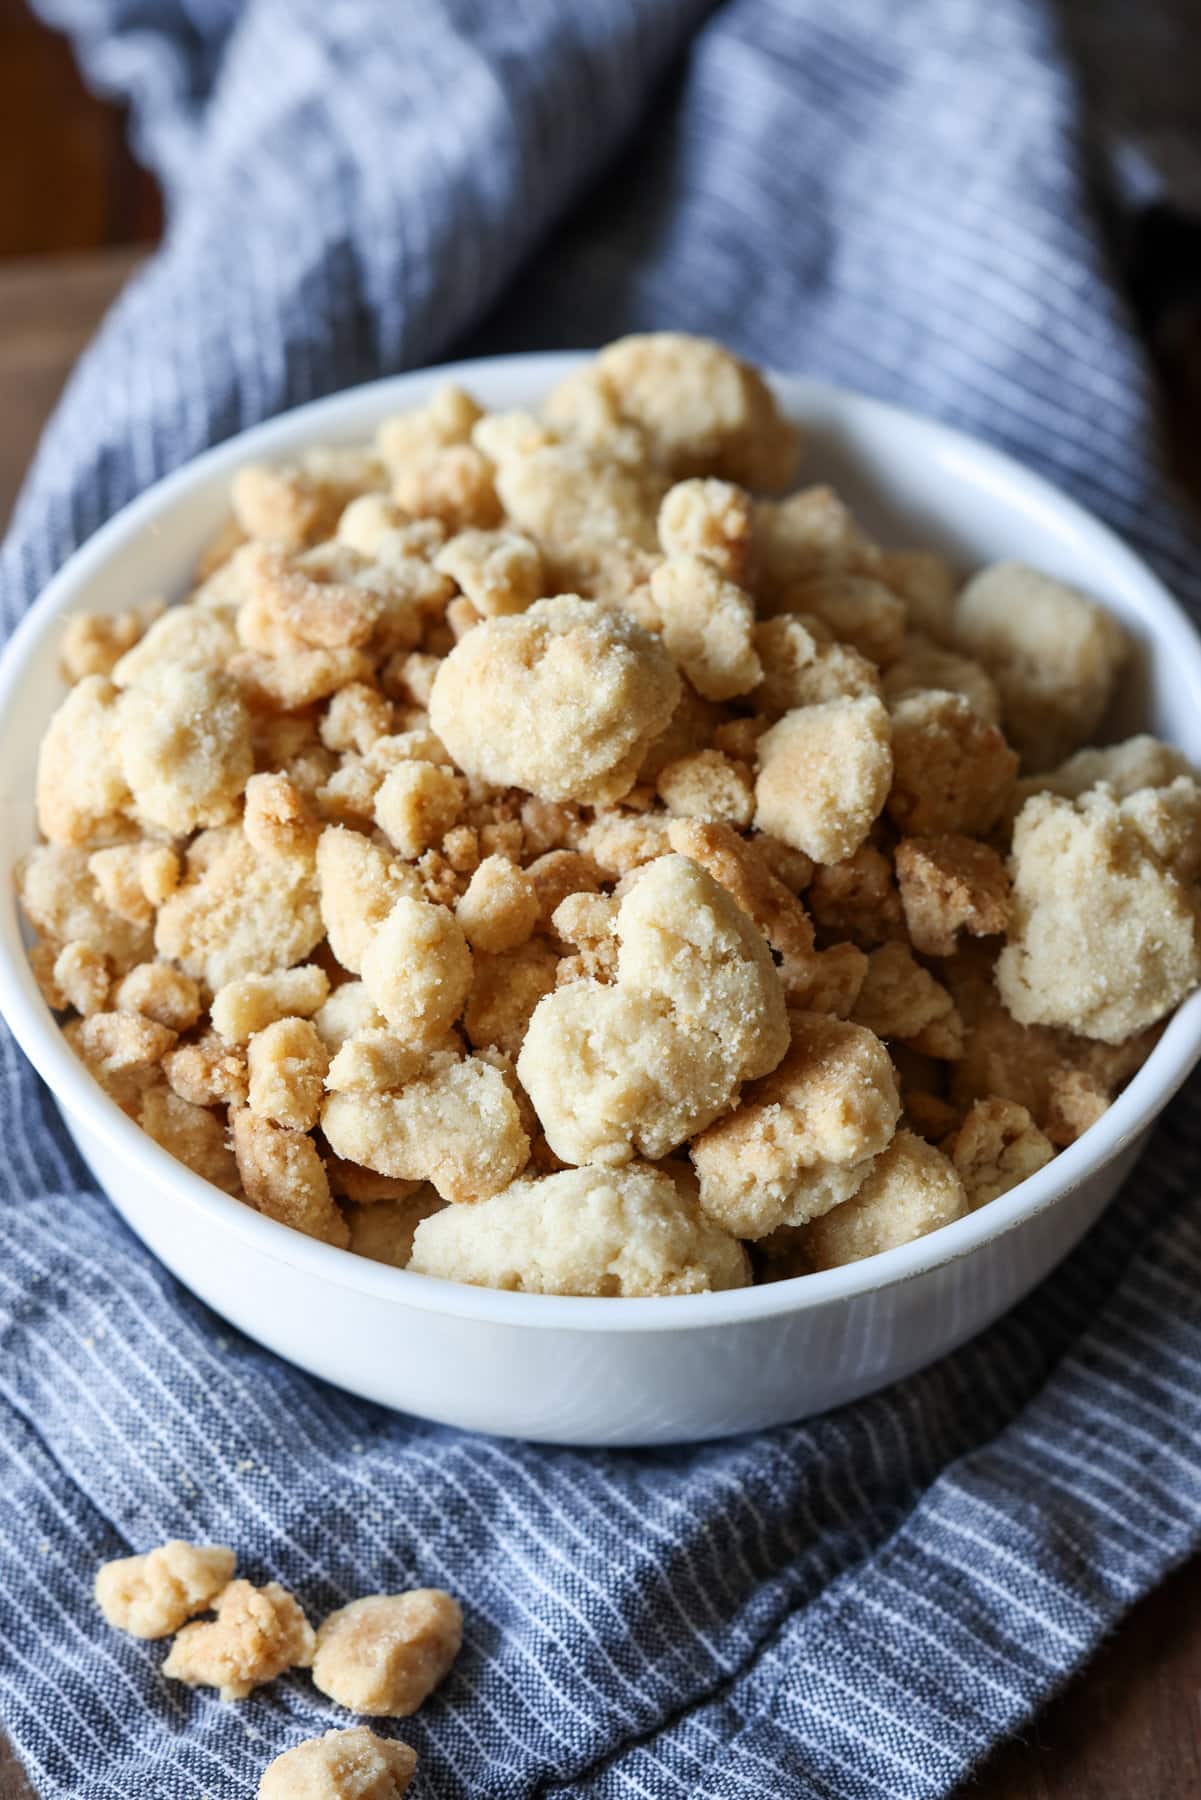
{"x": 805, "y": 1137}
{"x": 562, "y": 700}
{"x": 1105, "y": 939}
{"x": 152, "y": 1595}
{"x": 912, "y": 1190}
{"x": 341, "y": 1765}
{"x": 256, "y": 1635}
{"x": 628, "y": 1231}
{"x": 454, "y": 1124}
{"x": 697, "y": 1008}
{"x": 824, "y": 775}
{"x": 1054, "y": 654}
{"x": 381, "y": 1656}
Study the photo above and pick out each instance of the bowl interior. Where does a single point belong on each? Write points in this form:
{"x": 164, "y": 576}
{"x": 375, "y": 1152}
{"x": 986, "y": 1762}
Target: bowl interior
{"x": 913, "y": 483}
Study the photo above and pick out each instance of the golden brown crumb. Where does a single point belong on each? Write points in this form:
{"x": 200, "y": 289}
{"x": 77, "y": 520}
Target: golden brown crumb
{"x": 453, "y": 485}
{"x": 997, "y": 1146}
{"x": 83, "y": 795}
{"x": 900, "y": 999}
{"x": 253, "y": 1002}
{"x": 619, "y": 842}
{"x": 926, "y": 583}
{"x": 1104, "y": 938}
{"x": 257, "y": 1634}
{"x": 803, "y": 1138}
{"x": 288, "y": 504}
{"x": 741, "y": 870}
{"x": 63, "y": 901}
{"x": 93, "y": 643}
{"x": 42, "y": 957}
{"x": 924, "y": 664}
{"x": 504, "y": 993}
{"x": 953, "y": 771}
{"x": 242, "y": 914}
{"x": 152, "y": 1595}
{"x": 286, "y": 684}
{"x": 1031, "y": 1063}
{"x": 417, "y": 969}
{"x": 446, "y": 418}
{"x": 194, "y": 1136}
{"x": 824, "y": 775}
{"x": 1076, "y": 1099}
{"x": 857, "y": 898}
{"x": 122, "y": 1050}
{"x": 198, "y": 638}
{"x": 576, "y": 502}
{"x": 913, "y": 1189}
{"x": 589, "y": 922}
{"x": 417, "y": 803}
{"x": 381, "y": 1656}
{"x": 341, "y": 1765}
{"x": 185, "y": 748}
{"x": 1054, "y": 654}
{"x": 500, "y": 906}
{"x": 375, "y": 1059}
{"x": 359, "y": 884}
{"x": 1138, "y": 762}
{"x": 348, "y": 1011}
{"x": 409, "y": 676}
{"x": 287, "y": 1064}
{"x": 639, "y": 1065}
{"x": 625, "y": 1232}
{"x": 562, "y": 700}
{"x": 857, "y": 609}
{"x": 455, "y": 1125}
{"x": 498, "y": 571}
{"x": 809, "y": 533}
{"x": 712, "y": 519}
{"x": 277, "y": 820}
{"x": 118, "y": 871}
{"x": 708, "y": 785}
{"x": 207, "y": 1072}
{"x": 700, "y": 410}
{"x": 159, "y": 872}
{"x": 461, "y": 616}
{"x": 948, "y": 885}
{"x": 707, "y": 623}
{"x": 283, "y": 1177}
{"x": 738, "y": 738}
{"x": 82, "y": 977}
{"x": 159, "y": 992}
{"x": 803, "y": 666}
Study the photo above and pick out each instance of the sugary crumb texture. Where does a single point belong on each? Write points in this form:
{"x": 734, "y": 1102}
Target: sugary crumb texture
{"x": 560, "y": 852}
{"x": 380, "y": 1656}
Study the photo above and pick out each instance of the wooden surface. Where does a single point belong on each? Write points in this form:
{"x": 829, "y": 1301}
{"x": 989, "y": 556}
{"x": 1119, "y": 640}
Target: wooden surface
{"x": 1130, "y": 1727}
{"x": 67, "y": 179}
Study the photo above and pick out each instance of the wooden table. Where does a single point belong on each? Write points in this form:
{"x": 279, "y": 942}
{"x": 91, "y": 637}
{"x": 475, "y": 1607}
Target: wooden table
{"x": 1130, "y": 1727}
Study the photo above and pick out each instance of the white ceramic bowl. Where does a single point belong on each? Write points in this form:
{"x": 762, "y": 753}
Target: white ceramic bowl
{"x": 606, "y": 1371}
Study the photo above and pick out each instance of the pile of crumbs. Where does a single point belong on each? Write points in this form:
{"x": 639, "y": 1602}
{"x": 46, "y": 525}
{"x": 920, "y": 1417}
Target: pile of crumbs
{"x": 556, "y": 852}
{"x": 380, "y": 1657}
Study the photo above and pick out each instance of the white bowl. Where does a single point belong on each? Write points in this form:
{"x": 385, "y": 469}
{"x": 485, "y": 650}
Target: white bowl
{"x": 579, "y": 1371}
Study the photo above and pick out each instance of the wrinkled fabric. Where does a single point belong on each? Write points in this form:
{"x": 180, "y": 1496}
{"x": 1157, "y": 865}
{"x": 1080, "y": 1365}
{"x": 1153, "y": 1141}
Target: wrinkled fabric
{"x": 908, "y": 200}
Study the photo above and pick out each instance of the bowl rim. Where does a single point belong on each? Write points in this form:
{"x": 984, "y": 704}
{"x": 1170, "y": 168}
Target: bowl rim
{"x": 353, "y": 411}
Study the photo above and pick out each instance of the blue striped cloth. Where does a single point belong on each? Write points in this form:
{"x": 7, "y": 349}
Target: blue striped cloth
{"x": 900, "y": 198}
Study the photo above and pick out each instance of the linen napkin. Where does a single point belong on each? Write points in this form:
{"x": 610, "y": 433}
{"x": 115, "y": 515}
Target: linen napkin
{"x": 903, "y": 199}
